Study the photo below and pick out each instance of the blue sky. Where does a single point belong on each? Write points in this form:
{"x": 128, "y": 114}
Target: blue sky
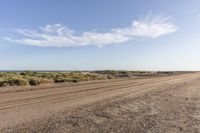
{"x": 99, "y": 34}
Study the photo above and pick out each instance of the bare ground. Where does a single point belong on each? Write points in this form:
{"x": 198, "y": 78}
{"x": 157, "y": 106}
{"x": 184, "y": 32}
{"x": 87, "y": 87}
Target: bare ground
{"x": 151, "y": 105}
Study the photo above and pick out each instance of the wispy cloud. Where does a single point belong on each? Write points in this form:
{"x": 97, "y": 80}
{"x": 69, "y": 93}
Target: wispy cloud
{"x": 59, "y": 35}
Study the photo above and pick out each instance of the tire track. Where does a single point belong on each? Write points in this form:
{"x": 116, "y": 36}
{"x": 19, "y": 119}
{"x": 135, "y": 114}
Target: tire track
{"x": 78, "y": 93}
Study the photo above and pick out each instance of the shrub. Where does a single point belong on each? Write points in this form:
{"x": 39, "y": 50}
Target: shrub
{"x": 38, "y": 81}
{"x": 110, "y": 77}
{"x": 28, "y": 73}
{"x": 14, "y": 81}
{"x": 61, "y": 80}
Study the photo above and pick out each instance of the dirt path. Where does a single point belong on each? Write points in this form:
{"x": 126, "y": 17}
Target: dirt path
{"x": 162, "y": 104}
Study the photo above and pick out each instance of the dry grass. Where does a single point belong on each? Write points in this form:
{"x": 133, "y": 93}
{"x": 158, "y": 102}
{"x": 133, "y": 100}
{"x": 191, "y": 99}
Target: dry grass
{"x": 37, "y": 78}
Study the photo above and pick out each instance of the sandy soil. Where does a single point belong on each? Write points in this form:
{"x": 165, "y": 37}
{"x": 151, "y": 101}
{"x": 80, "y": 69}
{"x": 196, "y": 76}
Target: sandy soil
{"x": 152, "y": 105}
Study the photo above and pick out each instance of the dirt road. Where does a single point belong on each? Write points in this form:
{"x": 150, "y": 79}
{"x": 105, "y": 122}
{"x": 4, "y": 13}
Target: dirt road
{"x": 158, "y": 104}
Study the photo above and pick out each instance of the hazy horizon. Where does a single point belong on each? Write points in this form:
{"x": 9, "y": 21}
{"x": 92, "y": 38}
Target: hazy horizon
{"x": 157, "y": 35}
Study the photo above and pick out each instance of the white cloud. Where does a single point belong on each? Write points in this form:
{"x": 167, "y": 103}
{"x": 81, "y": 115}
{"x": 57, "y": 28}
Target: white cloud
{"x": 58, "y": 35}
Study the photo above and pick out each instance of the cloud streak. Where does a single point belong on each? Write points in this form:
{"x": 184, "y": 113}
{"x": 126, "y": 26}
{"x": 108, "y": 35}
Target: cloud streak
{"x": 58, "y": 35}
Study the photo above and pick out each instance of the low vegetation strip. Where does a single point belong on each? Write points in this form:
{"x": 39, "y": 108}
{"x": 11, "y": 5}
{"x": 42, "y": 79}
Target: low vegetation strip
{"x": 36, "y": 78}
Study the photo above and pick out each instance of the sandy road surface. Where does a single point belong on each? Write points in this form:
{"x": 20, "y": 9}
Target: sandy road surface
{"x": 157, "y": 104}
